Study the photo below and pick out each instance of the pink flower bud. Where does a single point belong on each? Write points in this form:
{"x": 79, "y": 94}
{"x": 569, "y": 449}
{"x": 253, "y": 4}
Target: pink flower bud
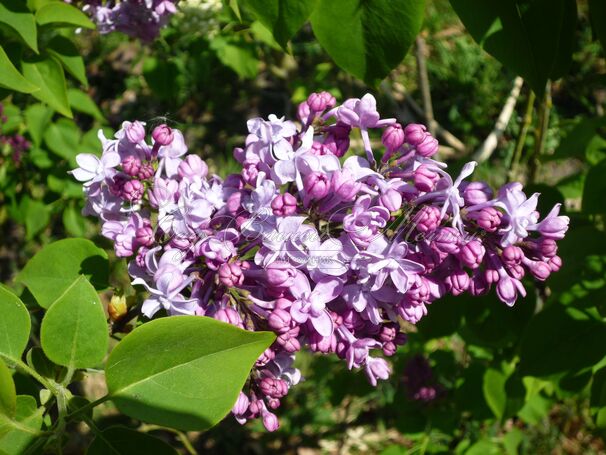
{"x": 540, "y": 270}
{"x": 316, "y": 186}
{"x": 477, "y": 193}
{"x": 555, "y": 263}
{"x": 427, "y": 219}
{"x": 241, "y": 405}
{"x": 415, "y": 133}
{"x": 132, "y": 190}
{"x": 145, "y": 236}
{"x": 163, "y": 134}
{"x": 391, "y": 200}
{"x": 389, "y": 348}
{"x": 146, "y": 171}
{"x": 135, "y": 131}
{"x": 230, "y": 316}
{"x": 131, "y": 165}
{"x": 270, "y": 421}
{"x": 284, "y": 205}
{"x": 319, "y": 102}
{"x": 512, "y": 255}
{"x": 428, "y": 147}
{"x": 272, "y": 387}
{"x": 279, "y": 320}
{"x": 230, "y": 274}
{"x": 289, "y": 343}
{"x": 393, "y": 137}
{"x": 487, "y": 218}
{"x": 472, "y": 254}
{"x": 425, "y": 179}
{"x": 457, "y": 282}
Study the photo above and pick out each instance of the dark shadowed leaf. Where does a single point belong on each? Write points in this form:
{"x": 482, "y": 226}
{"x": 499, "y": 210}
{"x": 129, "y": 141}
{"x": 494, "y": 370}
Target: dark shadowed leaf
{"x": 124, "y": 441}
{"x": 367, "y": 38}
{"x": 534, "y": 39}
{"x": 15, "y": 14}
{"x": 283, "y": 17}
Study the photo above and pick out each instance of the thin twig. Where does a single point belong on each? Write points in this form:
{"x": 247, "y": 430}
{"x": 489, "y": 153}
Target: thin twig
{"x": 424, "y": 84}
{"x": 540, "y": 135}
{"x": 490, "y": 144}
{"x": 526, "y": 122}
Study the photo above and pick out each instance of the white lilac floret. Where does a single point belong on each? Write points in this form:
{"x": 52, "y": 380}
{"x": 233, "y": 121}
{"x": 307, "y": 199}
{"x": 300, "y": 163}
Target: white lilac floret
{"x": 329, "y": 253}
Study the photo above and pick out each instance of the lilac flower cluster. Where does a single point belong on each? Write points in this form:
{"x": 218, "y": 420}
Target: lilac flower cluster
{"x": 16, "y": 142}
{"x": 141, "y": 19}
{"x": 328, "y": 249}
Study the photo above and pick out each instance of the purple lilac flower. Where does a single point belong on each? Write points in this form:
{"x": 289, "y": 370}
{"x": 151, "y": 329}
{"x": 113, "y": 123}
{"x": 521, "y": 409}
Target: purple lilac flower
{"x": 328, "y": 253}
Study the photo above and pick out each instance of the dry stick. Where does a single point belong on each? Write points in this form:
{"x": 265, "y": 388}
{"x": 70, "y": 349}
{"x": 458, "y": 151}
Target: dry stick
{"x": 540, "y": 134}
{"x": 424, "y": 84}
{"x": 490, "y": 144}
{"x": 526, "y": 122}
{"x": 446, "y": 135}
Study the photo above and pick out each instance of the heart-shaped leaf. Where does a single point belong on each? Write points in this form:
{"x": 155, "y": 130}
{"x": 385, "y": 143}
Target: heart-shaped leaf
{"x": 53, "y": 269}
{"x": 367, "y": 38}
{"x": 74, "y": 329}
{"x": 14, "y": 325}
{"x": 183, "y": 371}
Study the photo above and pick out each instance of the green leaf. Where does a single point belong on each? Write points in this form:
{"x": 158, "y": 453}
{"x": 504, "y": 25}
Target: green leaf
{"x": 37, "y": 216}
{"x": 282, "y": 17}
{"x": 8, "y": 396}
{"x": 236, "y": 54}
{"x": 367, "y": 38}
{"x": 81, "y": 102}
{"x": 74, "y": 222}
{"x": 62, "y": 13}
{"x": 24, "y": 427}
{"x": 37, "y": 359}
{"x": 594, "y": 189}
{"x": 48, "y": 75}
{"x": 124, "y": 441}
{"x": 534, "y": 39}
{"x": 67, "y": 53}
{"x": 38, "y": 117}
{"x": 494, "y": 391}
{"x": 561, "y": 339}
{"x": 74, "y": 329}
{"x": 62, "y": 138}
{"x": 11, "y": 78}
{"x": 15, "y": 325}
{"x": 15, "y": 14}
{"x": 199, "y": 366}
{"x": 53, "y": 269}
{"x": 597, "y": 14}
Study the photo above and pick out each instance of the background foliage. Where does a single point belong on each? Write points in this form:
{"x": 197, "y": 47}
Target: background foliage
{"x": 531, "y": 379}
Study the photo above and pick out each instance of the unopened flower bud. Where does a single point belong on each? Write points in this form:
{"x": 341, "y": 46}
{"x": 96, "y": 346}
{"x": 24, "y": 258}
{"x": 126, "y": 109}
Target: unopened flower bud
{"x": 393, "y": 137}
{"x": 134, "y": 131}
{"x": 284, "y": 205}
{"x": 163, "y": 134}
{"x": 117, "y": 307}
